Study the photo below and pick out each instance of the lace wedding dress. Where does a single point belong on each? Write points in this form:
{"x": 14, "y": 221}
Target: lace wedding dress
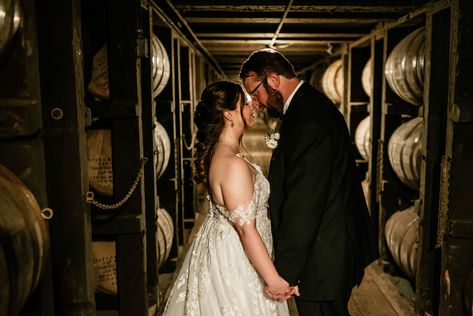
{"x": 216, "y": 277}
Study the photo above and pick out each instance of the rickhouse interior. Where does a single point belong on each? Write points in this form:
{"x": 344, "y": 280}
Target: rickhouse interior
{"x": 98, "y": 204}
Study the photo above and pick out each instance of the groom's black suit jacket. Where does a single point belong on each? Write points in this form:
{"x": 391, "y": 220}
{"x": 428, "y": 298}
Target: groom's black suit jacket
{"x": 321, "y": 227}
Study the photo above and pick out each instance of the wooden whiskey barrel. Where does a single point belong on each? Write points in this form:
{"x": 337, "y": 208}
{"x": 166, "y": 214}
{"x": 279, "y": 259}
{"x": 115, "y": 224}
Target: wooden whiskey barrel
{"x": 160, "y": 70}
{"x": 10, "y": 21}
{"x": 104, "y": 253}
{"x": 404, "y": 67}
{"x": 98, "y": 84}
{"x": 332, "y": 81}
{"x": 157, "y": 63}
{"x": 362, "y": 138}
{"x": 100, "y": 162}
{"x": 366, "y": 78}
{"x": 164, "y": 236}
{"x": 404, "y": 151}
{"x": 163, "y": 148}
{"x": 365, "y": 185}
{"x": 401, "y": 234}
{"x": 24, "y": 242}
{"x": 161, "y": 67}
{"x": 99, "y": 145}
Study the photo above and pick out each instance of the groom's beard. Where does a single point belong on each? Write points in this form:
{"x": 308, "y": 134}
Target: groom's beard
{"x": 275, "y": 103}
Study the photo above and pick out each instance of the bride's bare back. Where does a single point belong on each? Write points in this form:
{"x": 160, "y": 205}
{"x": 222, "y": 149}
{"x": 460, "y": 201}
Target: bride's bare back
{"x": 231, "y": 178}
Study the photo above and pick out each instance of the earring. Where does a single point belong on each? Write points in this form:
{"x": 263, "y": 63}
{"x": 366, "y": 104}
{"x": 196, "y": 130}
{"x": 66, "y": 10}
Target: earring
{"x": 232, "y": 125}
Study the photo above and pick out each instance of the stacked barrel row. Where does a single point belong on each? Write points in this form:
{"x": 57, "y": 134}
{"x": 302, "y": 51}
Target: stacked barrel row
{"x": 100, "y": 162}
{"x": 104, "y": 253}
{"x": 404, "y": 73}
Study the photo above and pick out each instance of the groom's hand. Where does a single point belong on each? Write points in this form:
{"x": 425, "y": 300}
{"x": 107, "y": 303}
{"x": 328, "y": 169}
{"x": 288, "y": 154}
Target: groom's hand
{"x": 295, "y": 290}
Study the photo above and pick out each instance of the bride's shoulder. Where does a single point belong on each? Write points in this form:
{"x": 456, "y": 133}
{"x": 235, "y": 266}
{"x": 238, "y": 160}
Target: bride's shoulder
{"x": 228, "y": 169}
{"x": 230, "y": 165}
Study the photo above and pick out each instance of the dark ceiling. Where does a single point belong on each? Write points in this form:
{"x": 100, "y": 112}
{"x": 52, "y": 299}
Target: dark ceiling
{"x": 227, "y": 31}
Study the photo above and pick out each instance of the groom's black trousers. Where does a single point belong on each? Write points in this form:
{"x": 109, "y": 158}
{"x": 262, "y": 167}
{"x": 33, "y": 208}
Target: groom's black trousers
{"x": 322, "y": 308}
{"x": 338, "y": 307}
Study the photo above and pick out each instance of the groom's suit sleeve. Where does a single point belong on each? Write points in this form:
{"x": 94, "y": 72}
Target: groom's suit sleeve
{"x": 309, "y": 156}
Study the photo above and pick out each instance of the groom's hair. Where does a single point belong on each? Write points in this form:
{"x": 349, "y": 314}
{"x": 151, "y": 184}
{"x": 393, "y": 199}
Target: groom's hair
{"x": 265, "y": 61}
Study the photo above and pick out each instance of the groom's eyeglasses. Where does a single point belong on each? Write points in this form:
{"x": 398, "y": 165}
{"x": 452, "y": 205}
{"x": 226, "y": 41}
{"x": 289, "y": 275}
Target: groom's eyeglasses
{"x": 253, "y": 92}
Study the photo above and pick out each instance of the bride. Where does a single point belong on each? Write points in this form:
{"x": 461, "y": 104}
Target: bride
{"x": 228, "y": 269}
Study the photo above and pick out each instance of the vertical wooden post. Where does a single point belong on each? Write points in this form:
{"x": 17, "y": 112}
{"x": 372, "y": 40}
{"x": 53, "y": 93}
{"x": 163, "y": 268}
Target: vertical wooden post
{"x": 437, "y": 41}
{"x": 176, "y": 66}
{"x": 65, "y": 151}
{"x": 455, "y": 231}
{"x": 148, "y": 117}
{"x": 125, "y": 31}
{"x": 377, "y": 62}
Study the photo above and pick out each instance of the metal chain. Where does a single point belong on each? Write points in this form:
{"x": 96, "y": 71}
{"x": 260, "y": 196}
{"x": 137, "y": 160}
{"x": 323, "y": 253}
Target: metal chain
{"x": 379, "y": 169}
{"x": 90, "y": 198}
{"x": 443, "y": 203}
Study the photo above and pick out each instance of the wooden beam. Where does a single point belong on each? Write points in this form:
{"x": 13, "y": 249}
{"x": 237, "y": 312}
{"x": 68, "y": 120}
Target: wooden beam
{"x": 184, "y": 29}
{"x": 434, "y": 6}
{"x": 294, "y": 51}
{"x": 259, "y": 20}
{"x": 295, "y": 8}
{"x": 282, "y": 35}
{"x": 209, "y": 43}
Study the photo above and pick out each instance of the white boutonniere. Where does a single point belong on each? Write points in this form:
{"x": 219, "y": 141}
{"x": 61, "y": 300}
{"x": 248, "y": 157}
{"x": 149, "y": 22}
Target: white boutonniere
{"x": 272, "y": 139}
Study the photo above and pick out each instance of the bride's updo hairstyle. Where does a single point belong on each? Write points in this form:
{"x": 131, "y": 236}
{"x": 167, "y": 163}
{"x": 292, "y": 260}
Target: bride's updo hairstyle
{"x": 209, "y": 119}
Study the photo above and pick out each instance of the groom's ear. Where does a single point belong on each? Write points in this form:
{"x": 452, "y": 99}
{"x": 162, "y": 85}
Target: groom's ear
{"x": 274, "y": 81}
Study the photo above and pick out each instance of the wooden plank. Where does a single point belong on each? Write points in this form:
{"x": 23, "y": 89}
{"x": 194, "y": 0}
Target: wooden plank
{"x": 225, "y": 42}
{"x": 113, "y": 109}
{"x": 166, "y": 11}
{"x": 131, "y": 271}
{"x": 179, "y": 73}
{"x": 437, "y": 41}
{"x": 281, "y": 35}
{"x": 122, "y": 51}
{"x": 264, "y": 20}
{"x": 65, "y": 148}
{"x": 107, "y": 224}
{"x": 374, "y": 175}
{"x": 199, "y": 7}
{"x": 150, "y": 177}
{"x": 432, "y": 6}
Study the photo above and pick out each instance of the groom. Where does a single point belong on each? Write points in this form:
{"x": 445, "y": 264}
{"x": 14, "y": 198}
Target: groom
{"x": 321, "y": 227}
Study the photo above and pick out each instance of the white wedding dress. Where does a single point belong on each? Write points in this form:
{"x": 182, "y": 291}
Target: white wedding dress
{"x": 216, "y": 277}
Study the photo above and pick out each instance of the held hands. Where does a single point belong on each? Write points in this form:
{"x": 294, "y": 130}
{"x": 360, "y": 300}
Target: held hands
{"x": 279, "y": 289}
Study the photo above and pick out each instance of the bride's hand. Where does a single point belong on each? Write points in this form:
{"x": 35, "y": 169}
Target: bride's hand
{"x": 279, "y": 289}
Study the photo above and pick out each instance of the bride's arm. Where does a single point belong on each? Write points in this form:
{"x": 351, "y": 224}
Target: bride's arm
{"x": 237, "y": 190}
